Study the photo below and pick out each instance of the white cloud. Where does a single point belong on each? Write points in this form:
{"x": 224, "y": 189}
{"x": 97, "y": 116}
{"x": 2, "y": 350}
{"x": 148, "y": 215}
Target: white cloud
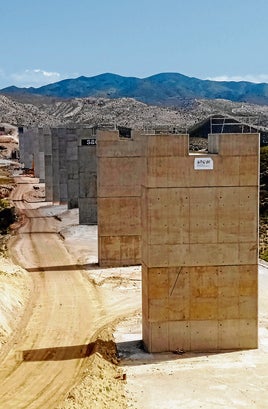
{"x": 249, "y": 77}
{"x": 34, "y": 78}
{"x": 31, "y": 78}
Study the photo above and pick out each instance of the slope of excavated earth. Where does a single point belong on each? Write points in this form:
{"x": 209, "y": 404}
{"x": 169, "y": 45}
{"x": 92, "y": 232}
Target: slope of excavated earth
{"x": 14, "y": 292}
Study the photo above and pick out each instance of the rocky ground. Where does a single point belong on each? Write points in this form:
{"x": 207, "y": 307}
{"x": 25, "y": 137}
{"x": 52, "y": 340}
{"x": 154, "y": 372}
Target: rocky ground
{"x": 123, "y": 111}
{"x": 8, "y": 145}
{"x": 14, "y": 281}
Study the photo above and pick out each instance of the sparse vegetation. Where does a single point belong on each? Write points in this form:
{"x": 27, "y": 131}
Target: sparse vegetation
{"x": 7, "y": 209}
{"x": 122, "y": 111}
{"x": 264, "y": 203}
{"x": 4, "y": 203}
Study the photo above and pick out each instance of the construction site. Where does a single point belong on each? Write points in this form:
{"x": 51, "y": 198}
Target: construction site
{"x": 141, "y": 283}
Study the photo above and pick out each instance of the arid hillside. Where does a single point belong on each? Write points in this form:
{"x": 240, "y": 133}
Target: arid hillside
{"x": 40, "y": 111}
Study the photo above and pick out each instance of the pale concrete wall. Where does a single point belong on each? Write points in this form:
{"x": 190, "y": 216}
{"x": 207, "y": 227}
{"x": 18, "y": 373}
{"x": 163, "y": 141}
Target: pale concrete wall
{"x": 31, "y": 145}
{"x": 71, "y": 140}
{"x": 87, "y": 173}
{"x": 26, "y": 147}
{"x": 73, "y": 174}
{"x": 68, "y": 179}
{"x": 22, "y": 147}
{"x": 48, "y": 164}
{"x": 200, "y": 244}
{"x": 55, "y": 166}
{"x": 120, "y": 163}
{"x": 36, "y": 152}
{"x": 40, "y": 155}
{"x": 64, "y": 166}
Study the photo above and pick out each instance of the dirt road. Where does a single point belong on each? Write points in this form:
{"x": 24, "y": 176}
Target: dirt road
{"x": 63, "y": 317}
{"x": 48, "y": 364}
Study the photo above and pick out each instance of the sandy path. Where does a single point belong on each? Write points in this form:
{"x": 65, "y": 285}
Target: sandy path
{"x": 46, "y": 360}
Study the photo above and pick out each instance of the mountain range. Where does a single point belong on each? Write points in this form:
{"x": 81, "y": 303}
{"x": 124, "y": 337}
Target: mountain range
{"x": 167, "y": 89}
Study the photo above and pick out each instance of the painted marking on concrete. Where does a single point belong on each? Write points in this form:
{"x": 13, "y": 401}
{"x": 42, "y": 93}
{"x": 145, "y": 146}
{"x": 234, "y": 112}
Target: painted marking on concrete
{"x": 88, "y": 142}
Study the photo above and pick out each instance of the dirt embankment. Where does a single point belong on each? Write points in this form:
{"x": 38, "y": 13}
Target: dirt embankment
{"x": 8, "y": 151}
{"x": 15, "y": 283}
{"x": 15, "y": 287}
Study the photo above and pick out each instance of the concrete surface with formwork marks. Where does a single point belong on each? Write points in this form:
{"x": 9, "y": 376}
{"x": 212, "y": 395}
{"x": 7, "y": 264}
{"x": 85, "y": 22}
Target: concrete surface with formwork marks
{"x": 26, "y": 146}
{"x": 87, "y": 175}
{"x": 200, "y": 243}
{"x": 48, "y": 164}
{"x": 120, "y": 172}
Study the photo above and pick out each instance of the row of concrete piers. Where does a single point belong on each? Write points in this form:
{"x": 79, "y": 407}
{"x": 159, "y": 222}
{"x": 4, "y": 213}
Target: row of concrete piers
{"x": 190, "y": 220}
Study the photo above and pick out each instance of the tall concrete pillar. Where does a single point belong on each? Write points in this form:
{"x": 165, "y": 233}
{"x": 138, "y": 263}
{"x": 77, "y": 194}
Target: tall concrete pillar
{"x": 55, "y": 165}
{"x": 120, "y": 174}
{"x": 41, "y": 155}
{"x": 48, "y": 164}
{"x": 72, "y": 166}
{"x": 21, "y": 144}
{"x": 31, "y": 143}
{"x": 200, "y": 244}
{"x": 72, "y": 174}
{"x": 26, "y": 146}
{"x": 87, "y": 173}
{"x": 36, "y": 152}
{"x": 64, "y": 166}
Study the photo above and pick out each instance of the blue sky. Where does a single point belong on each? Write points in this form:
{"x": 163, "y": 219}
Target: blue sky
{"x": 50, "y": 40}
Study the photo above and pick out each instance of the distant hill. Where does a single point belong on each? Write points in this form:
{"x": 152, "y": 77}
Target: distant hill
{"x": 168, "y": 89}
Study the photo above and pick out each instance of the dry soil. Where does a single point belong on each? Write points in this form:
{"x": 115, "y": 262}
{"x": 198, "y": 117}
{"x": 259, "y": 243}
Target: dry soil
{"x": 58, "y": 318}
